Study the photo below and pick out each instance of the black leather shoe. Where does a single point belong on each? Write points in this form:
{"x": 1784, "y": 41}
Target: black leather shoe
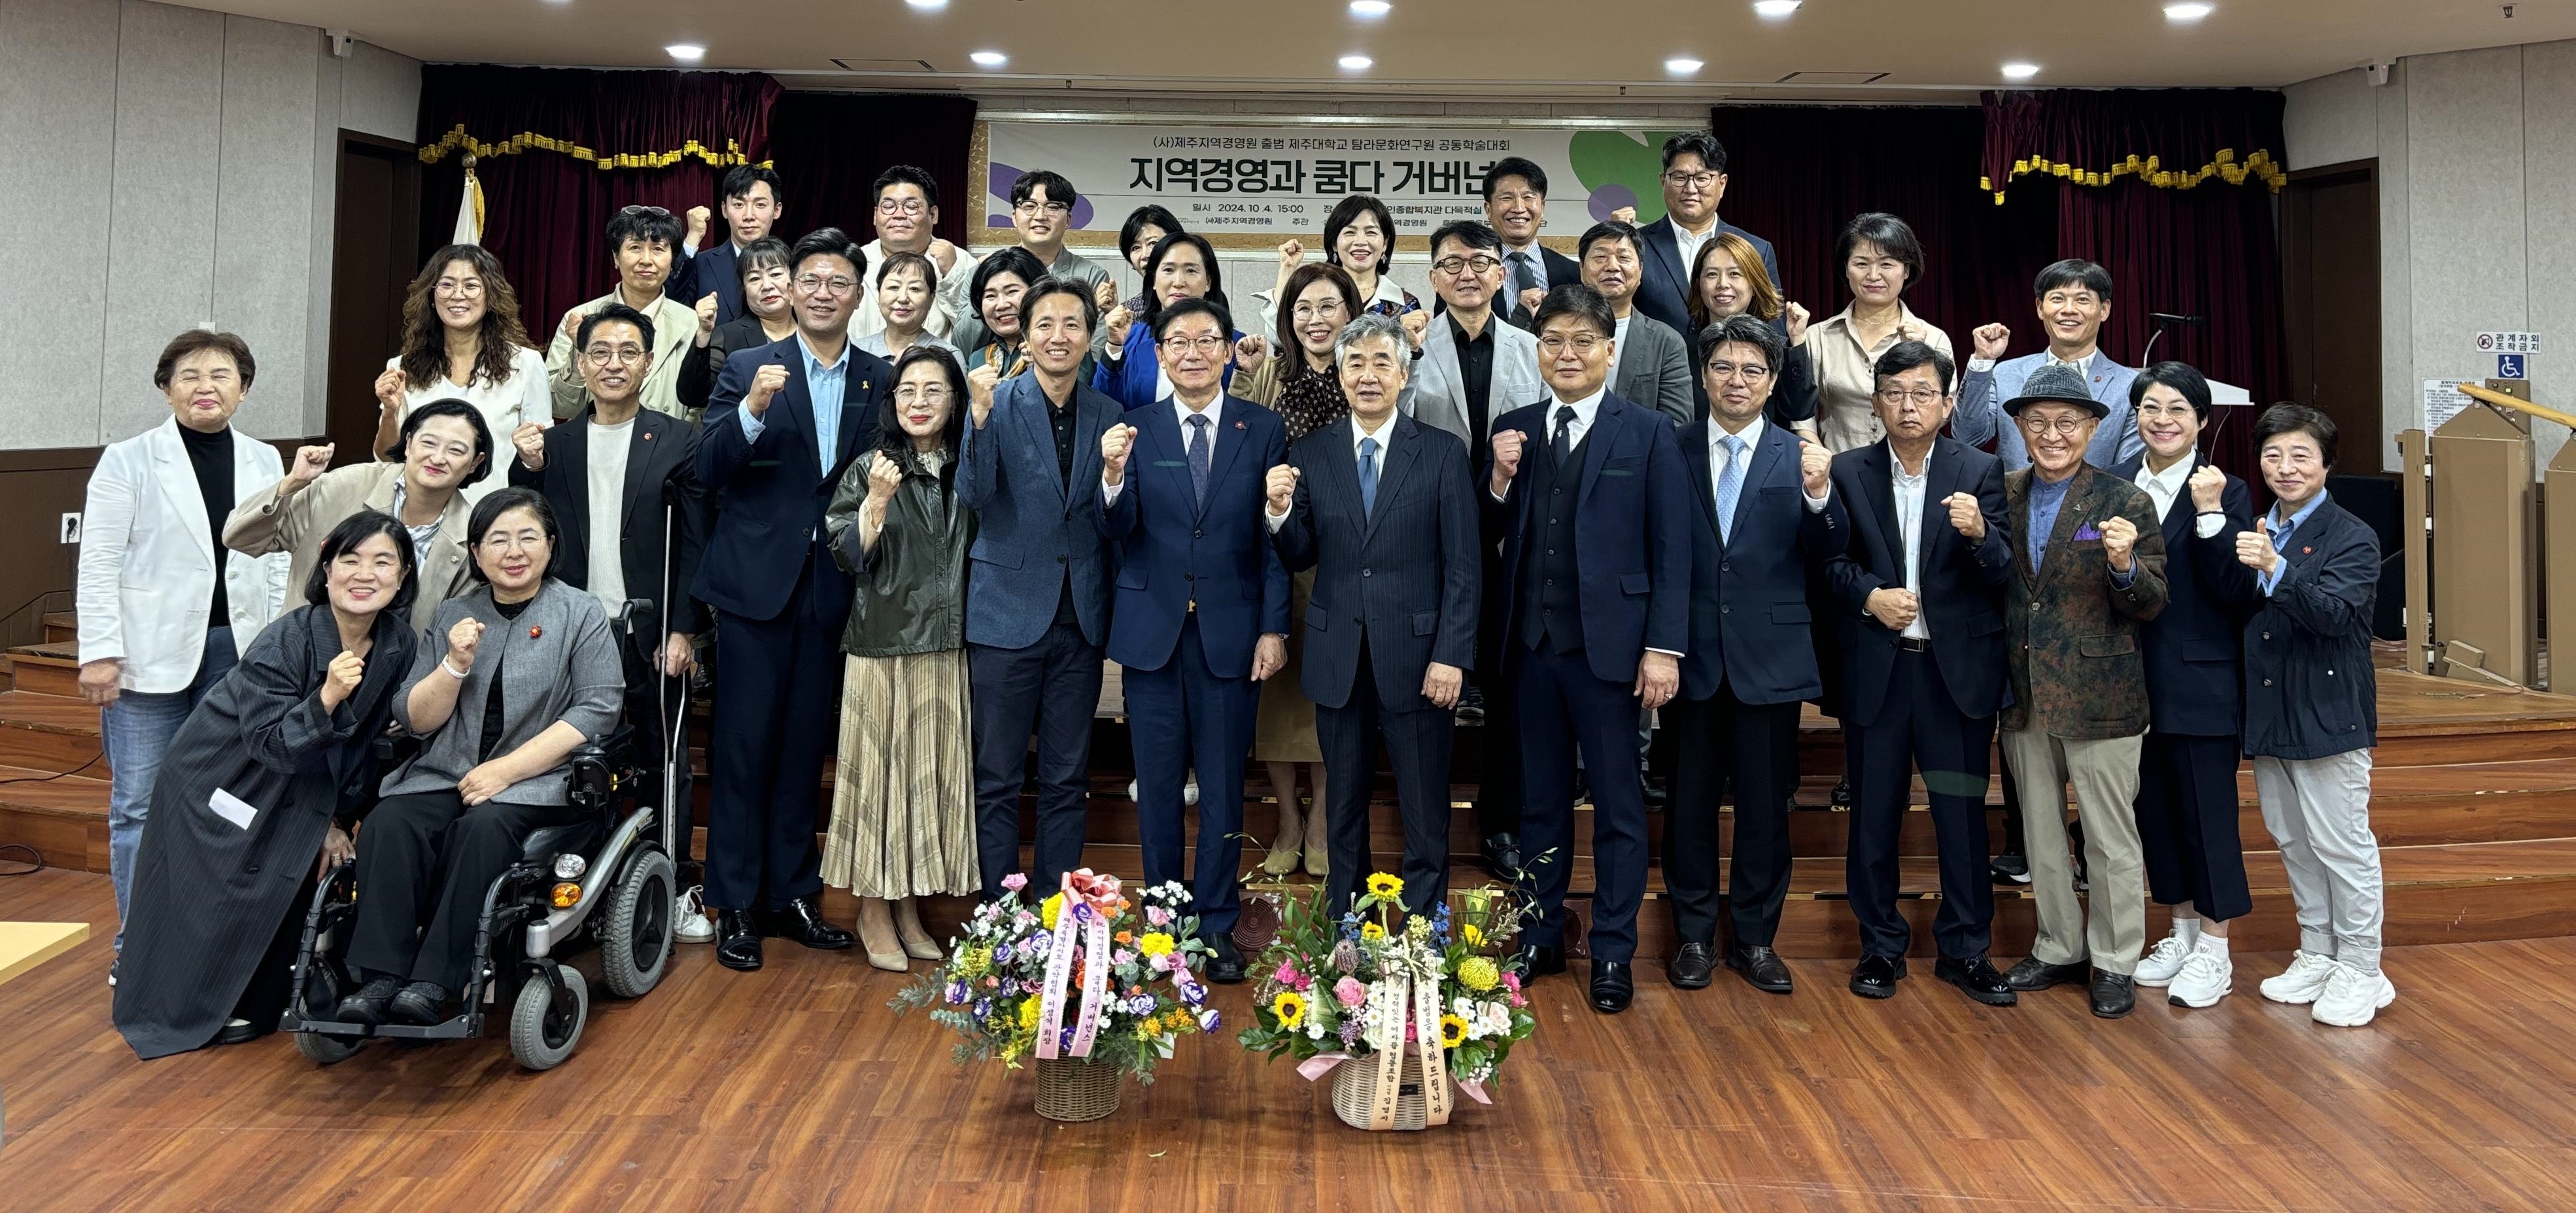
{"x": 1612, "y": 986}
{"x": 1842, "y": 796}
{"x": 1978, "y": 980}
{"x": 1653, "y": 790}
{"x": 1226, "y": 967}
{"x": 1500, "y": 856}
{"x": 1692, "y": 965}
{"x": 1760, "y": 966}
{"x": 1876, "y": 976}
{"x": 802, "y": 921}
{"x": 1541, "y": 959}
{"x": 737, "y": 940}
{"x": 420, "y": 1004}
{"x": 2009, "y": 868}
{"x": 2034, "y": 974}
{"x": 2114, "y": 994}
{"x": 367, "y": 1005}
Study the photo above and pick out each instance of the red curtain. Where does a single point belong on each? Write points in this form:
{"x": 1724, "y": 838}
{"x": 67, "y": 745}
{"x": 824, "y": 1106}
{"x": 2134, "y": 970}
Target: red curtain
{"x": 831, "y": 146}
{"x": 2169, "y": 137}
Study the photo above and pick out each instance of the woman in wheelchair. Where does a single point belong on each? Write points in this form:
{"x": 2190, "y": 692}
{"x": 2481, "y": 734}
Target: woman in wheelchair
{"x": 508, "y": 681}
{"x": 267, "y": 773}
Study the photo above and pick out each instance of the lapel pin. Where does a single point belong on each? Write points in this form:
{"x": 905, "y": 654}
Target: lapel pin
{"x": 1238, "y": 425}
{"x": 534, "y": 632}
{"x": 648, "y": 435}
{"x": 2307, "y": 551}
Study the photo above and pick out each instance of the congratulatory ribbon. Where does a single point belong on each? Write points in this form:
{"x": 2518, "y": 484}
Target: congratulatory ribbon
{"x": 1411, "y": 981}
{"x": 1089, "y": 903}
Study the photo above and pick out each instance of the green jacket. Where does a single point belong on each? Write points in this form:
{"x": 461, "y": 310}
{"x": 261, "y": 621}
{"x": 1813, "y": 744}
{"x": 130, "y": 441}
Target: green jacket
{"x": 912, "y": 586}
{"x": 2071, "y": 633}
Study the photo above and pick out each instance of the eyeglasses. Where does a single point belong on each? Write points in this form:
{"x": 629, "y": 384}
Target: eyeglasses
{"x": 816, "y": 284}
{"x": 1033, "y": 207}
{"x": 1921, "y": 397}
{"x": 1556, "y": 343}
{"x": 2066, "y": 427}
{"x": 1749, "y": 372}
{"x": 2163, "y": 412}
{"x": 1318, "y": 311}
{"x": 1480, "y": 263}
{"x": 644, "y": 210}
{"x": 1203, "y": 344}
{"x": 901, "y": 206}
{"x": 621, "y": 355}
{"x": 1696, "y": 181}
{"x": 524, "y": 541}
{"x": 933, "y": 393}
{"x": 468, "y": 287}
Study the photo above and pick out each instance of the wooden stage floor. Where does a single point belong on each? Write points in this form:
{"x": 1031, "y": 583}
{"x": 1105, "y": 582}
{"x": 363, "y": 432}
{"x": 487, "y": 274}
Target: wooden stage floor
{"x": 795, "y": 1088}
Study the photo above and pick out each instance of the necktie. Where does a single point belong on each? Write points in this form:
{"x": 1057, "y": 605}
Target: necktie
{"x": 1730, "y": 485}
{"x": 1563, "y": 444}
{"x": 1524, "y": 278}
{"x": 1199, "y": 456}
{"x": 1368, "y": 477}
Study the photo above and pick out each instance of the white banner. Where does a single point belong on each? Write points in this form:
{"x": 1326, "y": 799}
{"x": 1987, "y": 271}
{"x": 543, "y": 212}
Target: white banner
{"x": 1263, "y": 184}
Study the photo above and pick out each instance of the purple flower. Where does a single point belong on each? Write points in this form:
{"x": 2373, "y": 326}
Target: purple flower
{"x": 1207, "y": 1020}
{"x": 1001, "y": 953}
{"x": 956, "y": 993}
{"x": 1157, "y": 916}
{"x": 1350, "y": 1032}
{"x": 983, "y": 1007}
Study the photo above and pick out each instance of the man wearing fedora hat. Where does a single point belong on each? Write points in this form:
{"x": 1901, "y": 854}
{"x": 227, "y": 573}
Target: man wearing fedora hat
{"x": 2089, "y": 568}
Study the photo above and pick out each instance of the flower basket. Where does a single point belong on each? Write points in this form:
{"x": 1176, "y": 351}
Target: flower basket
{"x": 1355, "y": 1093}
{"x": 1071, "y": 1088}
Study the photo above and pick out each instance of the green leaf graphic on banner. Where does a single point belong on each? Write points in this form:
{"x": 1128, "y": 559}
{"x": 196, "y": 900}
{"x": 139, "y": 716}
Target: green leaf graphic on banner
{"x": 1620, "y": 171}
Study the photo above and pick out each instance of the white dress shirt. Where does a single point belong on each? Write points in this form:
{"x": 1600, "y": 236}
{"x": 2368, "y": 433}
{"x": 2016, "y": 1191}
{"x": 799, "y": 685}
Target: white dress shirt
{"x": 1384, "y": 431}
{"x": 1574, "y": 429}
{"x": 1752, "y": 436}
{"x": 1910, "y": 491}
{"x": 1537, "y": 263}
{"x": 1214, "y": 412}
{"x": 2162, "y": 487}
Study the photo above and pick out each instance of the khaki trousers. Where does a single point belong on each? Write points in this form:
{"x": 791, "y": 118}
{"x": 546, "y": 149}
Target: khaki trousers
{"x": 2105, "y": 774}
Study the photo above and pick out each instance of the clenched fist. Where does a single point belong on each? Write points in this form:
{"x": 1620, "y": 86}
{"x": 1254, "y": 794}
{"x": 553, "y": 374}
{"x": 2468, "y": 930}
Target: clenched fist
{"x": 706, "y": 319}
{"x": 462, "y": 641}
{"x": 1250, "y": 351}
{"x": 2119, "y": 541}
{"x": 1416, "y": 323}
{"x": 1507, "y": 458}
{"x": 572, "y": 324}
{"x": 390, "y": 387}
{"x": 980, "y": 383}
{"x": 1797, "y": 319}
{"x": 1116, "y": 321}
{"x": 2208, "y": 489}
{"x": 530, "y": 438}
{"x": 310, "y": 463}
{"x": 2255, "y": 551}
{"x": 1105, "y": 295}
{"x": 1531, "y": 298}
{"x": 765, "y": 386}
{"x": 1894, "y": 606}
{"x": 698, "y": 217}
{"x": 1625, "y": 214}
{"x": 1965, "y": 517}
{"x": 943, "y": 254}
{"x": 1282, "y": 488}
{"x": 1815, "y": 467}
{"x": 1292, "y": 253}
{"x": 1114, "y": 443}
{"x": 1992, "y": 340}
{"x": 341, "y": 680}
{"x": 884, "y": 477}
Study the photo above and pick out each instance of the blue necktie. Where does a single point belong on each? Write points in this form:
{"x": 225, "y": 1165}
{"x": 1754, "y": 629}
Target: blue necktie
{"x": 1199, "y": 456}
{"x": 1368, "y": 477}
{"x": 1730, "y": 485}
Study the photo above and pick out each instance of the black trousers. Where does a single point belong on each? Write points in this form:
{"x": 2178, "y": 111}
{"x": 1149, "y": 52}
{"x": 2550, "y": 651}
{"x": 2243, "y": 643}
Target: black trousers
{"x": 1418, "y": 745}
{"x": 2187, "y": 824}
{"x": 425, "y": 862}
{"x": 649, "y": 696}
{"x": 1498, "y": 784}
{"x": 1750, "y": 750}
{"x": 1051, "y": 689}
{"x": 775, "y": 705}
{"x": 1920, "y": 726}
{"x": 1565, "y": 709}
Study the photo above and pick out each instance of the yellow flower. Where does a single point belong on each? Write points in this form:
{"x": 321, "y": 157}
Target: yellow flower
{"x": 1381, "y": 885}
{"x": 1370, "y": 930}
{"x": 1474, "y": 934}
{"x": 1478, "y": 973}
{"x": 974, "y": 962}
{"x": 1028, "y": 1014}
{"x": 1290, "y": 1008}
{"x": 1155, "y": 944}
{"x": 1453, "y": 1031}
{"x": 1048, "y": 909}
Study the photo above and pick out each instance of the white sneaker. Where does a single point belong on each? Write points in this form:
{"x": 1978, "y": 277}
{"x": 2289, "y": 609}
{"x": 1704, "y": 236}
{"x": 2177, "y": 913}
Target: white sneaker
{"x": 2352, "y": 997}
{"x": 2157, "y": 968}
{"x": 2207, "y": 976}
{"x": 2303, "y": 981}
{"x": 689, "y": 924}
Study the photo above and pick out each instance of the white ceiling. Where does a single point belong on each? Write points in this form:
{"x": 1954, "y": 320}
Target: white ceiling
{"x": 1481, "y": 49}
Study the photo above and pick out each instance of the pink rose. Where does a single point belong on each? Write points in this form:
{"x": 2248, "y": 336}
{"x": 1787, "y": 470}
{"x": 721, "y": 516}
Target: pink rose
{"x": 1512, "y": 980}
{"x": 1016, "y": 881}
{"x": 1288, "y": 975}
{"x": 1349, "y": 992}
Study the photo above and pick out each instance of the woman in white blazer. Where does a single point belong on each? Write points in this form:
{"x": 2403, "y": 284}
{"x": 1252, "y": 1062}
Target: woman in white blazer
{"x": 158, "y": 624}
{"x": 462, "y": 340}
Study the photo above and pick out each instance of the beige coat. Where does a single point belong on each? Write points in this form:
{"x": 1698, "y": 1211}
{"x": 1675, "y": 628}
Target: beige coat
{"x": 298, "y": 522}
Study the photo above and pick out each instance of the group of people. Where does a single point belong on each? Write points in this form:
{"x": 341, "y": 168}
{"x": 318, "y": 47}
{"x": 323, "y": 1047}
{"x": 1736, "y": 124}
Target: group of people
{"x": 930, "y": 496}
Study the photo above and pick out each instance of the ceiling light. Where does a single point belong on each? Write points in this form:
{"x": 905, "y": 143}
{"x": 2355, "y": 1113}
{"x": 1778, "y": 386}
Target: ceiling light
{"x": 1356, "y": 63}
{"x": 928, "y": 6}
{"x": 989, "y": 58}
{"x": 686, "y": 52}
{"x": 1682, "y": 65}
{"x": 1774, "y": 9}
{"x": 2185, "y": 14}
{"x": 2020, "y": 71}
{"x": 1370, "y": 10}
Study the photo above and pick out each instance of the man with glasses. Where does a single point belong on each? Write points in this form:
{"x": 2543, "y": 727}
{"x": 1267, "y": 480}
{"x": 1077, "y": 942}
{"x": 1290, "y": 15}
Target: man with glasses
{"x": 752, "y": 207}
{"x": 2074, "y": 302}
{"x": 1587, "y": 494}
{"x": 1694, "y": 181}
{"x": 785, "y": 420}
{"x": 907, "y": 212}
{"x": 1042, "y": 205}
{"x": 1516, "y": 208}
{"x": 2088, "y": 571}
{"x": 1200, "y": 614}
{"x": 641, "y": 242}
{"x": 1917, "y": 593}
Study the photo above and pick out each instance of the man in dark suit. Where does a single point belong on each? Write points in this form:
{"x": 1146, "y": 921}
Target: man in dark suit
{"x": 1694, "y": 182}
{"x": 1917, "y": 596}
{"x": 785, "y": 419}
{"x": 1653, "y": 367}
{"x": 1762, "y": 493}
{"x": 1587, "y": 494}
{"x": 2088, "y": 569}
{"x": 751, "y": 209}
{"x": 1037, "y": 597}
{"x": 2187, "y": 770}
{"x": 1384, "y": 511}
{"x": 1516, "y": 208}
{"x": 623, "y": 481}
{"x": 1200, "y": 613}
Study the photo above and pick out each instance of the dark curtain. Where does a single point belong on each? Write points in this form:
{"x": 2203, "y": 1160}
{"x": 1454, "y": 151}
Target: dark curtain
{"x": 829, "y": 148}
{"x": 563, "y": 149}
{"x": 2172, "y": 137}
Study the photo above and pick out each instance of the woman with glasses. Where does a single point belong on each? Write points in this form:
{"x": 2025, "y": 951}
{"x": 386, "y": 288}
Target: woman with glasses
{"x": 509, "y": 680}
{"x": 462, "y": 340}
{"x": 766, "y": 317}
{"x": 907, "y": 288}
{"x": 1359, "y": 236}
{"x": 1727, "y": 279}
{"x": 446, "y": 449}
{"x": 642, "y": 241}
{"x": 903, "y": 803}
{"x": 1182, "y": 266}
{"x": 1879, "y": 257}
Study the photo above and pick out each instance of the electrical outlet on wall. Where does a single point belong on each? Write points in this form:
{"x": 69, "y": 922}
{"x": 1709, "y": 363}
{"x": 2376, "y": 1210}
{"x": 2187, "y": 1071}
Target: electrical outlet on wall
{"x": 71, "y": 526}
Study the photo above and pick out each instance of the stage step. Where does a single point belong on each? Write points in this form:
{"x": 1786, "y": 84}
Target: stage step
{"x": 46, "y": 669}
{"x": 64, "y": 817}
{"x": 61, "y": 625}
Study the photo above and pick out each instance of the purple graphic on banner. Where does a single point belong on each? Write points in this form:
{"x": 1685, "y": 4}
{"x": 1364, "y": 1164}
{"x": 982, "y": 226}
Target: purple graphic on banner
{"x": 1609, "y": 198}
{"x": 997, "y": 209}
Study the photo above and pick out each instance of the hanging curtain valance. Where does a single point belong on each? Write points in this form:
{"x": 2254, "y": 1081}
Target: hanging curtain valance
{"x": 2168, "y": 138}
{"x": 610, "y": 119}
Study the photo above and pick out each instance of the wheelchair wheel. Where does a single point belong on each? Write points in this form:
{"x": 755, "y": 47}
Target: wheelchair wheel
{"x": 324, "y": 1050}
{"x": 635, "y": 937}
{"x": 319, "y": 998}
{"x": 543, "y": 1027}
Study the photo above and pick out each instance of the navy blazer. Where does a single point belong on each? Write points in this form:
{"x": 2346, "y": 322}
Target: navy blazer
{"x": 769, "y": 495}
{"x": 1665, "y": 282}
{"x": 2194, "y": 685}
{"x": 1963, "y": 583}
{"x": 661, "y": 469}
{"x": 713, "y": 269}
{"x": 1401, "y": 580}
{"x": 1173, "y": 552}
{"x": 1749, "y": 620}
{"x": 2309, "y": 688}
{"x": 1632, "y": 531}
{"x": 1033, "y": 530}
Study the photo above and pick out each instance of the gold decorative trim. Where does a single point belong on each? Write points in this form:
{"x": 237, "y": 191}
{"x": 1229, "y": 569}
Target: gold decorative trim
{"x": 2151, "y": 170}
{"x": 457, "y": 139}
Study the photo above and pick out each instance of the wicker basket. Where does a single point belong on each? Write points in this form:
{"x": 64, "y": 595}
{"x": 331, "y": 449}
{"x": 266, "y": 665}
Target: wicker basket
{"x": 1355, "y": 1088}
{"x": 1070, "y": 1088}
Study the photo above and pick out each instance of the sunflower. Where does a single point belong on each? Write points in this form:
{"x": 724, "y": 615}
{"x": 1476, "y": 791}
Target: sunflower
{"x": 1385, "y": 887}
{"x": 1289, "y": 1008}
{"x": 1453, "y": 1031}
{"x": 1370, "y": 930}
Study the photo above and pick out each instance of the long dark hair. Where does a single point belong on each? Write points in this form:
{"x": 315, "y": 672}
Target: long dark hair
{"x": 897, "y": 445}
{"x": 497, "y": 338}
{"x": 1305, "y": 276}
{"x": 1154, "y": 264}
{"x": 345, "y": 538}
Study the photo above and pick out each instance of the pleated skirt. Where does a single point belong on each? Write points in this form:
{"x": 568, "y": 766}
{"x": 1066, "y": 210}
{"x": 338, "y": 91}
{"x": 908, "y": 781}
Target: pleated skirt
{"x": 903, "y": 804}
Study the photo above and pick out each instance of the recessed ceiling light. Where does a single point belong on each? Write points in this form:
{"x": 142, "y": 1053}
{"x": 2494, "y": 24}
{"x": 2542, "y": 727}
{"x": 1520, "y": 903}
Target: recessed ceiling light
{"x": 1682, "y": 65}
{"x": 1371, "y": 9}
{"x": 989, "y": 58}
{"x": 928, "y": 6}
{"x": 686, "y": 52}
{"x": 2020, "y": 71}
{"x": 2187, "y": 13}
{"x": 1774, "y": 9}
{"x": 1356, "y": 63}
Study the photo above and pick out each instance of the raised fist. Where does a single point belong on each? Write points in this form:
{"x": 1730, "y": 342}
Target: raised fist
{"x": 1250, "y": 351}
{"x": 2208, "y": 489}
{"x": 1965, "y": 517}
{"x": 698, "y": 217}
{"x": 2119, "y": 541}
{"x": 530, "y": 438}
{"x": 1282, "y": 488}
{"x": 1114, "y": 444}
{"x": 1992, "y": 340}
{"x": 980, "y": 383}
{"x": 390, "y": 387}
{"x": 462, "y": 641}
{"x": 1797, "y": 317}
{"x": 1416, "y": 323}
{"x": 310, "y": 463}
{"x": 1815, "y": 467}
{"x": 1507, "y": 458}
{"x": 770, "y": 380}
{"x": 706, "y": 319}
